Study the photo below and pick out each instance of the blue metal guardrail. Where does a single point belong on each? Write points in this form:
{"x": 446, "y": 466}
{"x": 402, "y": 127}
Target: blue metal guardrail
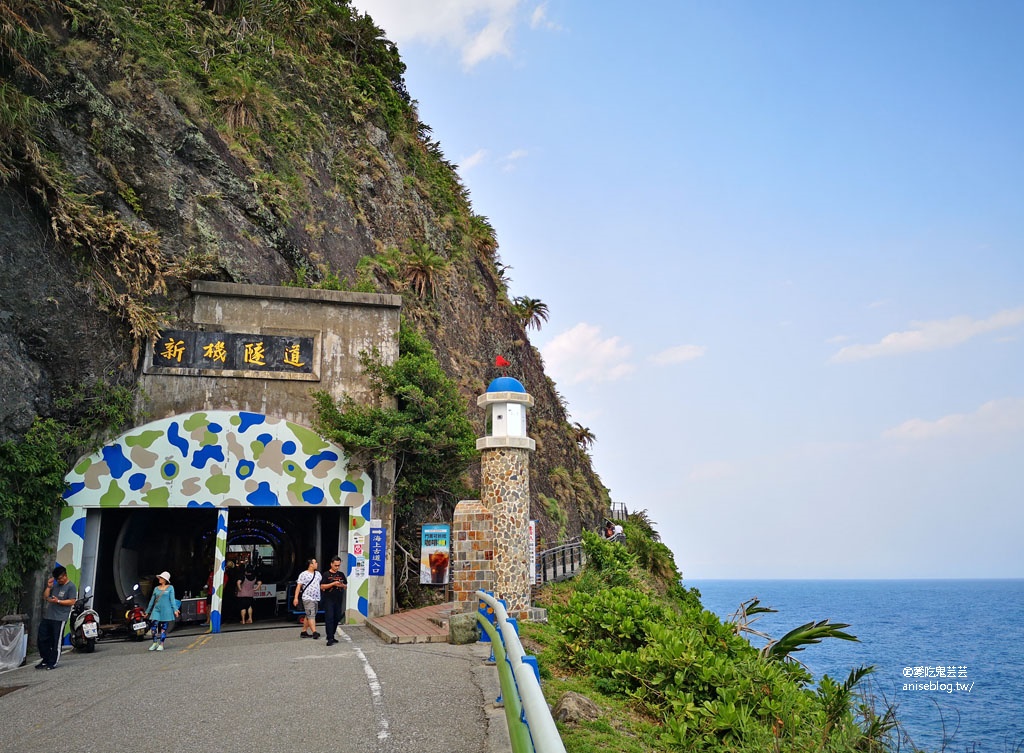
{"x": 530, "y": 726}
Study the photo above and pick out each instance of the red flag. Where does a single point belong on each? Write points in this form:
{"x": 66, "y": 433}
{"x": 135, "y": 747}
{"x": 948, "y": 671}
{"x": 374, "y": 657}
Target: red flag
{"x": 501, "y": 363}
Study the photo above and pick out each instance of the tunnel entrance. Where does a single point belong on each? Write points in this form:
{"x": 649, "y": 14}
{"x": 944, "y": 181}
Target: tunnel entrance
{"x": 205, "y": 491}
{"x": 135, "y": 544}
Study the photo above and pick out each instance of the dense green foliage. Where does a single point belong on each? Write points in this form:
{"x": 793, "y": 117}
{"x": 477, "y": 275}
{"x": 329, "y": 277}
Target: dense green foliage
{"x": 31, "y": 482}
{"x": 32, "y": 472}
{"x": 679, "y": 678}
{"x": 419, "y": 421}
{"x": 303, "y": 93}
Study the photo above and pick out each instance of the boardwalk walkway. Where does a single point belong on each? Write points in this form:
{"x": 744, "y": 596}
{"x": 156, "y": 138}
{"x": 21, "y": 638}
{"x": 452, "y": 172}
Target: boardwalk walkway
{"x": 423, "y": 625}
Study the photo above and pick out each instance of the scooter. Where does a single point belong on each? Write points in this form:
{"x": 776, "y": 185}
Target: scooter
{"x": 85, "y": 624}
{"x": 135, "y": 616}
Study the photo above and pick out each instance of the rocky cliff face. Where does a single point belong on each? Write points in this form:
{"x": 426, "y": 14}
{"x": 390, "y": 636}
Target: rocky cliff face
{"x": 152, "y": 146}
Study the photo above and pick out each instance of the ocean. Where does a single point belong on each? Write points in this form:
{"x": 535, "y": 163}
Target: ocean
{"x": 949, "y": 653}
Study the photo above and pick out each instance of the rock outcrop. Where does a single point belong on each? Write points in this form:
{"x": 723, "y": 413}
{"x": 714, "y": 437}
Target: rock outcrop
{"x": 155, "y": 146}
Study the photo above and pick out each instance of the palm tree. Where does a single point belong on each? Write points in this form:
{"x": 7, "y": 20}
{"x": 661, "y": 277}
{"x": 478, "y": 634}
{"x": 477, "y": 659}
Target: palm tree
{"x": 750, "y": 611}
{"x": 583, "y": 436}
{"x": 501, "y": 272}
{"x": 482, "y": 237}
{"x": 531, "y": 311}
{"x": 423, "y": 268}
{"x": 642, "y": 519}
{"x": 242, "y": 98}
{"x": 807, "y": 634}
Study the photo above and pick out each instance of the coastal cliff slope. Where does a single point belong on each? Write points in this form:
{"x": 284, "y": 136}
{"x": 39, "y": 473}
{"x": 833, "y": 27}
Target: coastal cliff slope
{"x": 148, "y": 145}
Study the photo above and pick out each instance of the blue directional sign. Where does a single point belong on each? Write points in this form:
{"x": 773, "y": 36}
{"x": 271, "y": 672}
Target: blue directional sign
{"x": 378, "y": 549}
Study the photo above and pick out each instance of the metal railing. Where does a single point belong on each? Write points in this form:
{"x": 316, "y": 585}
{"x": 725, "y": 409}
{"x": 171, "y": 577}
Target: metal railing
{"x": 530, "y": 726}
{"x": 560, "y": 562}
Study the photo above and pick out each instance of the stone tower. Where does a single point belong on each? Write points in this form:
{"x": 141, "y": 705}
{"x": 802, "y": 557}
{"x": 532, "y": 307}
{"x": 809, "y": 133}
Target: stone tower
{"x": 505, "y": 488}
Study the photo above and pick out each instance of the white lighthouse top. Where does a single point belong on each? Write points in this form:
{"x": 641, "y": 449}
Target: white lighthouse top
{"x": 506, "y": 401}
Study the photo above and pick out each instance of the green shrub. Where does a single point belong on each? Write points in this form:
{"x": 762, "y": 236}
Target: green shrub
{"x": 620, "y": 637}
{"x": 420, "y": 422}
{"x": 612, "y": 620}
{"x": 32, "y": 471}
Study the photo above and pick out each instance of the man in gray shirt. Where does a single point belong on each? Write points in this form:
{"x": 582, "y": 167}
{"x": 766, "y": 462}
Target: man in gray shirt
{"x": 59, "y": 596}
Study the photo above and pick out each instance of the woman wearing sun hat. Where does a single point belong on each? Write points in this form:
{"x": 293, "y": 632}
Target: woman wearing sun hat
{"x": 161, "y": 610}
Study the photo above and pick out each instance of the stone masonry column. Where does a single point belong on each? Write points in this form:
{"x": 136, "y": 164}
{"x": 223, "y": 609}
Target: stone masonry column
{"x": 505, "y": 489}
{"x": 472, "y": 554}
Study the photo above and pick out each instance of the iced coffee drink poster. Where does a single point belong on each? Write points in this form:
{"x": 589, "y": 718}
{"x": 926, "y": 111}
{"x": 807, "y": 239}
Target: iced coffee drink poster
{"x": 435, "y": 538}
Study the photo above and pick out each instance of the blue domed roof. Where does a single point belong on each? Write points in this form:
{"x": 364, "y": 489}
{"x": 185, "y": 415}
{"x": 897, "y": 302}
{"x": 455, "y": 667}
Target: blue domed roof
{"x": 506, "y": 384}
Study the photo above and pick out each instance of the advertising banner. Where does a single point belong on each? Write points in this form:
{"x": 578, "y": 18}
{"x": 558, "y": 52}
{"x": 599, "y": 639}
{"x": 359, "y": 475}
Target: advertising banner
{"x": 434, "y": 553}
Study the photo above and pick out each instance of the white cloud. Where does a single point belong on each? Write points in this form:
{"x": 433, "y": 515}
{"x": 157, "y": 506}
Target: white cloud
{"x": 478, "y": 29}
{"x": 994, "y": 417}
{"x": 933, "y": 335}
{"x": 539, "y": 19}
{"x": 468, "y": 163}
{"x": 489, "y": 42}
{"x": 582, "y": 354}
{"x": 511, "y": 160}
{"x": 678, "y": 354}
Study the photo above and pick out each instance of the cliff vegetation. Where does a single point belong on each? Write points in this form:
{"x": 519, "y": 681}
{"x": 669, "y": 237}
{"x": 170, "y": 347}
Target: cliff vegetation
{"x": 658, "y": 672}
{"x": 146, "y": 145}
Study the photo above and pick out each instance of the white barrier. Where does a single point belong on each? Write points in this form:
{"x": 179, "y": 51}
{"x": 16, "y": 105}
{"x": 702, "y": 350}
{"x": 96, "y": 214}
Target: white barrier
{"x": 535, "y": 732}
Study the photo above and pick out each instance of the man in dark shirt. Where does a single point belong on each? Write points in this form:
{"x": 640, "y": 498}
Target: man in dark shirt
{"x": 332, "y": 595}
{"x": 59, "y": 595}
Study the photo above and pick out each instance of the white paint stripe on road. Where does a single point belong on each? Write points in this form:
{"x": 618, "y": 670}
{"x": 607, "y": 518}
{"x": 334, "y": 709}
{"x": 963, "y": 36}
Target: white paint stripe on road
{"x": 375, "y": 690}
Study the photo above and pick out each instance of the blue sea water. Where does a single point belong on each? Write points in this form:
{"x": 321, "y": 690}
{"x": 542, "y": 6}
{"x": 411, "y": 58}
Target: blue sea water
{"x": 908, "y": 629}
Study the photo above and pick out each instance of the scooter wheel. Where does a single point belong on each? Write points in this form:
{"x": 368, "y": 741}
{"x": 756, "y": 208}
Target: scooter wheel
{"x": 90, "y": 645}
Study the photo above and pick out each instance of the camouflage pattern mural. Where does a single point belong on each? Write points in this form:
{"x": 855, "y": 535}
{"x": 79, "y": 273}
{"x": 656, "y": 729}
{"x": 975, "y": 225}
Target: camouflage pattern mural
{"x": 219, "y": 459}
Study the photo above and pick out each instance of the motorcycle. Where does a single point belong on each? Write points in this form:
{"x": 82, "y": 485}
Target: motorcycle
{"x": 135, "y": 616}
{"x": 85, "y": 624}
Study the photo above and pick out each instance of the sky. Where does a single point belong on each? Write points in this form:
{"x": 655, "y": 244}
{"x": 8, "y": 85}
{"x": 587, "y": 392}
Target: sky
{"x": 782, "y": 248}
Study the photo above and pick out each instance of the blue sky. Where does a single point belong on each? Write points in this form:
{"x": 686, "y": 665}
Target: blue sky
{"x": 782, "y": 245}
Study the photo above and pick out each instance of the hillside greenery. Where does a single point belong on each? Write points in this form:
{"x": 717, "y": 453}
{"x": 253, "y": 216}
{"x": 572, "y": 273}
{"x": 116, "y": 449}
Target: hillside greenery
{"x": 669, "y": 675}
{"x": 128, "y": 129}
{"x": 293, "y": 88}
{"x": 417, "y": 419}
{"x": 32, "y": 471}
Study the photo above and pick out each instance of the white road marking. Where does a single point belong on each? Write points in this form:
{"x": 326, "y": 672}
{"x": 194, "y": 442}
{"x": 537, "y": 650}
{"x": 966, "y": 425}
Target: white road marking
{"x": 375, "y": 690}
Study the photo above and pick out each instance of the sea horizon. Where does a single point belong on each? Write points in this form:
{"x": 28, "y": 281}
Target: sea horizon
{"x": 907, "y": 629}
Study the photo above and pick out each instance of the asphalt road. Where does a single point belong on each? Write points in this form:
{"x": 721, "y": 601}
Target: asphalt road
{"x": 258, "y": 691}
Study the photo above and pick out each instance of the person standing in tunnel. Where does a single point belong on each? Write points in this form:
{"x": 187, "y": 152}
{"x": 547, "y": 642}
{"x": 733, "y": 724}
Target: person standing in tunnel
{"x": 246, "y": 590}
{"x": 308, "y": 586}
{"x": 161, "y": 610}
{"x": 333, "y": 592}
